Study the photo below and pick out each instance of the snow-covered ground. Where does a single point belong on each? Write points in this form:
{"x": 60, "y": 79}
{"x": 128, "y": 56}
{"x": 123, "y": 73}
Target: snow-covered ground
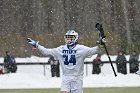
{"x": 25, "y": 80}
{"x": 38, "y": 76}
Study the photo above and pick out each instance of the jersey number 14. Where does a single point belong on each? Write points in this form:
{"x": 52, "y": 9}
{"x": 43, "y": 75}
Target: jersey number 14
{"x": 71, "y": 60}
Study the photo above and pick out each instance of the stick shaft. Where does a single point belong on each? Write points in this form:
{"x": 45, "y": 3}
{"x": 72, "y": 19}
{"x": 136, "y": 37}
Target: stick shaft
{"x": 110, "y": 60}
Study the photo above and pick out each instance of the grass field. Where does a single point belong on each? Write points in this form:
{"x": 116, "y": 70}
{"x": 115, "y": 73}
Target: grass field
{"x": 86, "y": 90}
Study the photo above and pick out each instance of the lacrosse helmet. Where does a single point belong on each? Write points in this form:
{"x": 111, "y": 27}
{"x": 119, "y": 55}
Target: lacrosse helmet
{"x": 71, "y": 37}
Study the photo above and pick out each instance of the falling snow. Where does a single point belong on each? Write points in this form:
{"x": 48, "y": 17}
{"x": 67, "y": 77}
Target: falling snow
{"x": 40, "y": 18}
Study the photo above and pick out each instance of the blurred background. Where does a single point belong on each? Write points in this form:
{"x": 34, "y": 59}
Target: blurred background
{"x": 48, "y": 20}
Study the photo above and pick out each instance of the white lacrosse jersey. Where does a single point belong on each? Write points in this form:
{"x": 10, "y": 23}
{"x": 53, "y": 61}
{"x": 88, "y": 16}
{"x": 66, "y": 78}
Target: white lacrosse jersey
{"x": 71, "y": 60}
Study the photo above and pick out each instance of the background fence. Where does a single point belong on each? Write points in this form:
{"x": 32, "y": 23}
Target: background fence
{"x": 45, "y": 69}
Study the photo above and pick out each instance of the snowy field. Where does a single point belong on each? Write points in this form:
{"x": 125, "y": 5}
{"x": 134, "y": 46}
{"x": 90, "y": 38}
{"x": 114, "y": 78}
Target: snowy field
{"x": 38, "y": 76}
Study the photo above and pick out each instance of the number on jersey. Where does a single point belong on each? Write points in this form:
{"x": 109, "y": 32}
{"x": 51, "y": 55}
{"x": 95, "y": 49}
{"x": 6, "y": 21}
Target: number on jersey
{"x": 71, "y": 60}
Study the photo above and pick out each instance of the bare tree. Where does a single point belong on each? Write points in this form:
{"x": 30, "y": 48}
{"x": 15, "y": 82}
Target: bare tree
{"x": 124, "y": 4}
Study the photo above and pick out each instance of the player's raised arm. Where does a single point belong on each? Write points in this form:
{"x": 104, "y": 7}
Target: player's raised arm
{"x": 42, "y": 49}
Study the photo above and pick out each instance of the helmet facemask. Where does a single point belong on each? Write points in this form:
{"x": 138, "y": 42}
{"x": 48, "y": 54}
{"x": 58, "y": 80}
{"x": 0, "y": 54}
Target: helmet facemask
{"x": 71, "y": 37}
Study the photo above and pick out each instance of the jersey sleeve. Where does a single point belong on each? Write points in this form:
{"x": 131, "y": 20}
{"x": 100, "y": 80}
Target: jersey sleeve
{"x": 48, "y": 51}
{"x": 91, "y": 50}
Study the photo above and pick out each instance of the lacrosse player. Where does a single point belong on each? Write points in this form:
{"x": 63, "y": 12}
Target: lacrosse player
{"x": 71, "y": 57}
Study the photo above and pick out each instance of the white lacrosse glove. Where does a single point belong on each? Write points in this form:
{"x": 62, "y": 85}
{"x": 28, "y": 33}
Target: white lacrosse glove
{"x": 33, "y": 42}
{"x": 101, "y": 42}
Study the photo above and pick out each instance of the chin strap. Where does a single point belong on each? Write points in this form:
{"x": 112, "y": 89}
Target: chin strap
{"x": 71, "y": 46}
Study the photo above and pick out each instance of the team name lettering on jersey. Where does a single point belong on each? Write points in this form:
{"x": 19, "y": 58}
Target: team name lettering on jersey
{"x": 69, "y": 51}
